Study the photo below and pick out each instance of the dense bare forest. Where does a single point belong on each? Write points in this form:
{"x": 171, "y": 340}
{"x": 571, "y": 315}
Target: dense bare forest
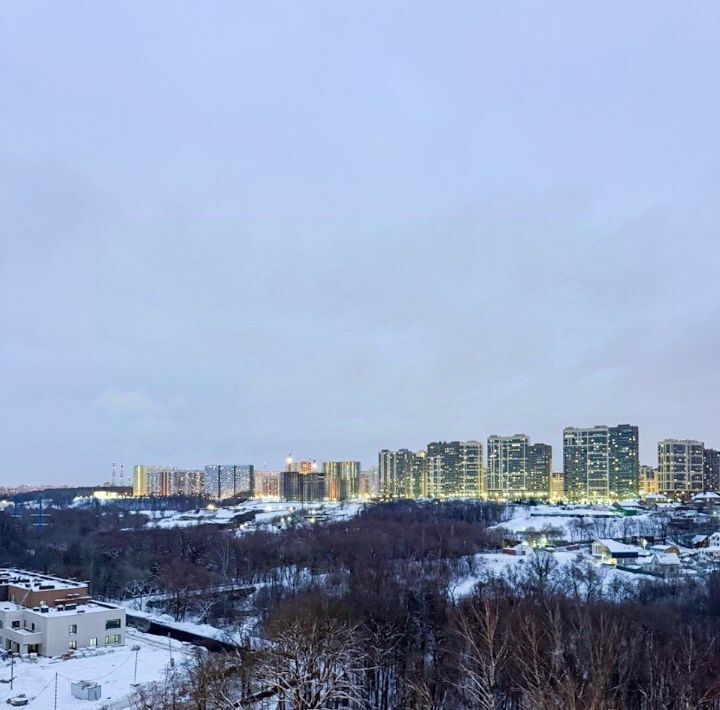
{"x": 365, "y": 613}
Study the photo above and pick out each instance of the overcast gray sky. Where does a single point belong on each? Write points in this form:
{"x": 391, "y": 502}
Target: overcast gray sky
{"x": 231, "y": 230}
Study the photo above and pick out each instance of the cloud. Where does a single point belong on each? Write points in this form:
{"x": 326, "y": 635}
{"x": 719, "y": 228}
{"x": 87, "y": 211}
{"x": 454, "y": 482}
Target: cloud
{"x": 130, "y": 403}
{"x": 331, "y": 233}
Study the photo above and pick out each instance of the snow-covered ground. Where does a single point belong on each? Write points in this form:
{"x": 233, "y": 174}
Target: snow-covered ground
{"x": 497, "y": 563}
{"x": 213, "y": 632}
{"x": 113, "y": 668}
{"x": 267, "y": 513}
{"x": 574, "y": 522}
{"x": 571, "y": 523}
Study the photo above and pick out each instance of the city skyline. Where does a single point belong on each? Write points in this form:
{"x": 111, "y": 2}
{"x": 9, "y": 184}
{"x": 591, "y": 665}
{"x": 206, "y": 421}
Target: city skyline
{"x": 336, "y": 229}
{"x": 599, "y": 463}
{"x": 280, "y": 463}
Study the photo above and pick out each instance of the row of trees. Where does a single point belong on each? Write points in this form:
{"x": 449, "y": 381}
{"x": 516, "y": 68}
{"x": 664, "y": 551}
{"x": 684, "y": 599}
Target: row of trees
{"x": 367, "y": 613}
{"x": 122, "y": 558}
{"x": 506, "y": 646}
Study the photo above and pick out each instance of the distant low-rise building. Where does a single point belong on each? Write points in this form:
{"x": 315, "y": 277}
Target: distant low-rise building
{"x": 665, "y": 563}
{"x": 653, "y": 499}
{"x": 698, "y": 541}
{"x": 519, "y": 550}
{"x": 610, "y": 552}
{"x": 708, "y": 498}
{"x": 665, "y": 548}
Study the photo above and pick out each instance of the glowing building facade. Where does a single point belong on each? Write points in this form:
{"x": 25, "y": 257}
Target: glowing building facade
{"x": 229, "y": 481}
{"x": 681, "y": 466}
{"x": 601, "y": 463}
{"x": 342, "y": 478}
{"x": 517, "y": 469}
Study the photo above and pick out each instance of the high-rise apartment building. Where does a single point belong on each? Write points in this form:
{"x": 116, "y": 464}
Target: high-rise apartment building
{"x": 418, "y": 485}
{"x": 447, "y": 469}
{"x": 681, "y": 464}
{"x": 303, "y": 487}
{"x": 301, "y": 481}
{"x": 471, "y": 469}
{"x": 517, "y": 468}
{"x": 557, "y": 486}
{"x": 140, "y": 481}
{"x": 648, "y": 481}
{"x": 430, "y": 468}
{"x": 229, "y": 481}
{"x": 304, "y": 466}
{"x": 267, "y": 484}
{"x": 601, "y": 463}
{"x": 454, "y": 469}
{"x": 343, "y": 479}
{"x": 540, "y": 457}
{"x": 712, "y": 470}
{"x": 369, "y": 482}
{"x": 365, "y": 487}
{"x": 395, "y": 473}
{"x": 166, "y": 481}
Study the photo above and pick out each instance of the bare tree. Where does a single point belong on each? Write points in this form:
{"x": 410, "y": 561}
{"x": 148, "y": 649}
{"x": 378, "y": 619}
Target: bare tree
{"x": 315, "y": 664}
{"x": 482, "y": 653}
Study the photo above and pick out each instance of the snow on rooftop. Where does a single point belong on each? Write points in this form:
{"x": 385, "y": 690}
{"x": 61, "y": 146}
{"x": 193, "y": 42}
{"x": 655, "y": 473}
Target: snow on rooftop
{"x": 615, "y": 546}
{"x": 36, "y": 581}
{"x": 667, "y": 558}
{"x": 84, "y": 608}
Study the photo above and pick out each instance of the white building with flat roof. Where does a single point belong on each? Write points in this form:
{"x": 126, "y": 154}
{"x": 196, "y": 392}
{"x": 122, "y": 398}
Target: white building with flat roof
{"x": 50, "y": 616}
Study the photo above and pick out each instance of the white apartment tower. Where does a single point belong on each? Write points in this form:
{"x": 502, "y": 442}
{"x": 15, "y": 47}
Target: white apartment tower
{"x": 680, "y": 466}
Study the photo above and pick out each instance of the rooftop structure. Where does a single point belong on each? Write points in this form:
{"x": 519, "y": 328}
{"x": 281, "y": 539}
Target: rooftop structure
{"x": 30, "y": 589}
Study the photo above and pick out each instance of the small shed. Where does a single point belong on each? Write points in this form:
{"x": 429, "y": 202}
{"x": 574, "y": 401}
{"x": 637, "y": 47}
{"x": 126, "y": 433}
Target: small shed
{"x": 520, "y": 549}
{"x": 86, "y": 690}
